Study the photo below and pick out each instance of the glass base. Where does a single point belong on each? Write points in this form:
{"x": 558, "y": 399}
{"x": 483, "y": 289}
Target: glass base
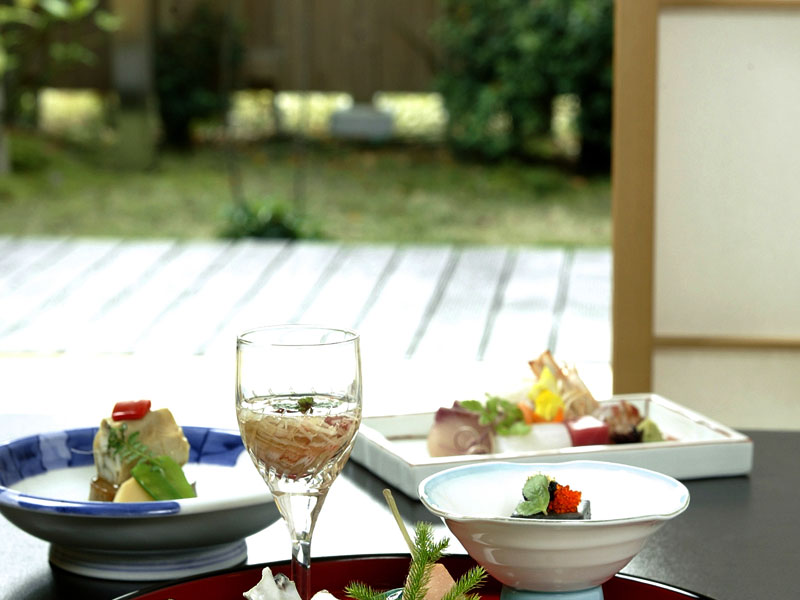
{"x": 509, "y": 593}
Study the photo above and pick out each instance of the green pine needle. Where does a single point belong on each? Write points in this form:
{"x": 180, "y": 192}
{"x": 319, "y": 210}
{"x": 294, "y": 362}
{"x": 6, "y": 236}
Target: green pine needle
{"x": 361, "y": 591}
{"x": 425, "y": 554}
{"x": 465, "y": 584}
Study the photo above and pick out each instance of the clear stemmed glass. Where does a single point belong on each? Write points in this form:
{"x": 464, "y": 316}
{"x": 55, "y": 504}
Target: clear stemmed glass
{"x": 298, "y": 404}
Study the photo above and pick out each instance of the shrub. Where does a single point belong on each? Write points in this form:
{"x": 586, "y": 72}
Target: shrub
{"x": 271, "y": 220}
{"x": 190, "y": 71}
{"x": 503, "y": 63}
{"x": 29, "y": 153}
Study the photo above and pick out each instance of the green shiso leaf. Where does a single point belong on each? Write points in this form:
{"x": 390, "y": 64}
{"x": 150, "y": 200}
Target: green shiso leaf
{"x": 537, "y": 496}
{"x": 526, "y": 508}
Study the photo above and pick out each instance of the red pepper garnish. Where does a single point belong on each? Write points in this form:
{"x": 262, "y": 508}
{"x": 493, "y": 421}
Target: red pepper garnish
{"x": 130, "y": 410}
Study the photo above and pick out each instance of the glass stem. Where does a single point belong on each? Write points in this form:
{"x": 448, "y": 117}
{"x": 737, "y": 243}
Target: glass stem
{"x": 300, "y": 512}
{"x": 301, "y": 567}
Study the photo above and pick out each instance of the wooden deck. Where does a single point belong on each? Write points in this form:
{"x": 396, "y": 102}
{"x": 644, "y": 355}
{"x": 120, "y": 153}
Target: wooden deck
{"x": 62, "y": 297}
{"x": 109, "y": 296}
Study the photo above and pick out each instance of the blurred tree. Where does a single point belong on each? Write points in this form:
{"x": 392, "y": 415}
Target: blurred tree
{"x": 190, "y": 68}
{"x": 26, "y": 47}
{"x": 503, "y": 62}
{"x": 584, "y": 55}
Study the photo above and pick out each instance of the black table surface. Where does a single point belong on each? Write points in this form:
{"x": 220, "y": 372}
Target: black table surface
{"x": 739, "y": 539}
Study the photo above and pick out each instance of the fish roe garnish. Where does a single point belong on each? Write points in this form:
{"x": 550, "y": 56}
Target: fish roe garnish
{"x": 564, "y": 500}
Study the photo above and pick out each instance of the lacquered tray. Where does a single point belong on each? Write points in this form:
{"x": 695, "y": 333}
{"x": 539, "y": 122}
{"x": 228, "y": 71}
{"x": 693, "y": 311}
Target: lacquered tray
{"x": 395, "y": 447}
{"x": 380, "y": 572}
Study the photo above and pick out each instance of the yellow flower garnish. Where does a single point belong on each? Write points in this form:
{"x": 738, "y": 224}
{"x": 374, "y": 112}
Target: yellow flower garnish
{"x": 546, "y": 399}
{"x": 546, "y": 381}
{"x": 548, "y": 405}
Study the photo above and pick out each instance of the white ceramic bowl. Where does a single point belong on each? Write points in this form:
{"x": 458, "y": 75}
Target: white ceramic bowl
{"x": 44, "y": 486}
{"x": 628, "y": 504}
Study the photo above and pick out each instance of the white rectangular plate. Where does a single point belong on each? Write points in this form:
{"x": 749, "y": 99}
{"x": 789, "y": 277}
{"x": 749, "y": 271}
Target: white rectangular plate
{"x": 395, "y": 447}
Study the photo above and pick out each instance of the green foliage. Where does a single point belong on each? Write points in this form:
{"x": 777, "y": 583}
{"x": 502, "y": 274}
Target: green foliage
{"x": 504, "y": 61}
{"x": 128, "y": 448}
{"x": 536, "y": 494}
{"x": 424, "y": 555}
{"x": 30, "y": 57}
{"x": 370, "y": 195}
{"x": 192, "y": 61}
{"x": 30, "y": 154}
{"x": 272, "y": 220}
{"x": 504, "y": 416}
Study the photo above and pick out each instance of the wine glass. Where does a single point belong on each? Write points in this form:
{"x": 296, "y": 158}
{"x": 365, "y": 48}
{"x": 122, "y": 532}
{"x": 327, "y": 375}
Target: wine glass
{"x": 298, "y": 404}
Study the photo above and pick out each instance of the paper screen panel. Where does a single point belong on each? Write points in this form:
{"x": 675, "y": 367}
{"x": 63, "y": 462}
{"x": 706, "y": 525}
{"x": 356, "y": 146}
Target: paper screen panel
{"x": 727, "y": 201}
{"x": 744, "y": 389}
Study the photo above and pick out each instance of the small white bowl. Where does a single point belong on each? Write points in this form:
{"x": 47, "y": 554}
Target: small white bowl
{"x": 44, "y": 486}
{"x": 628, "y": 504}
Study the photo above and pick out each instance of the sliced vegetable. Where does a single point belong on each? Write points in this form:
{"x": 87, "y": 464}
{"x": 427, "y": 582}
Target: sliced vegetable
{"x": 130, "y": 410}
{"x": 163, "y": 478}
{"x": 528, "y": 413}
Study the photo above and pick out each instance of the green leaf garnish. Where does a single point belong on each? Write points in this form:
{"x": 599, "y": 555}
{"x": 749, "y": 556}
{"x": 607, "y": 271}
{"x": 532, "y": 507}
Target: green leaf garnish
{"x": 473, "y": 405}
{"x": 129, "y": 448}
{"x": 305, "y": 404}
{"x": 504, "y": 416}
{"x": 537, "y": 496}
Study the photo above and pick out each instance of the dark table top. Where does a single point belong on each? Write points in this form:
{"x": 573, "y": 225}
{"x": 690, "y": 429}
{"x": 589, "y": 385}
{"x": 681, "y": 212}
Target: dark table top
{"x": 739, "y": 539}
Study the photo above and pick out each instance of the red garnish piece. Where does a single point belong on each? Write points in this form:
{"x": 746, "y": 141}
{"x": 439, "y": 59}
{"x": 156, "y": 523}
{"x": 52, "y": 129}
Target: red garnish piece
{"x": 130, "y": 410}
{"x": 564, "y": 500}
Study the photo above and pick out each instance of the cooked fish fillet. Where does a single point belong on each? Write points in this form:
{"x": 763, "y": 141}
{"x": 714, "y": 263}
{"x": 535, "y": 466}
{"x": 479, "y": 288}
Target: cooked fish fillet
{"x": 157, "y": 430}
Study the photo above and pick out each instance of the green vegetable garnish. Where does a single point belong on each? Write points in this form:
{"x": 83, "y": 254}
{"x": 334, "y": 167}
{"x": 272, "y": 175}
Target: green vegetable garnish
{"x": 536, "y": 492}
{"x": 424, "y": 555}
{"x": 649, "y": 431}
{"x": 305, "y": 404}
{"x": 163, "y": 478}
{"x": 504, "y": 416}
{"x": 160, "y": 476}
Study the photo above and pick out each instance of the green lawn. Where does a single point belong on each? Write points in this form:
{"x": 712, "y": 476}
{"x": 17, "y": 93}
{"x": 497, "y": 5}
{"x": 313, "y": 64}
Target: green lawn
{"x": 392, "y": 193}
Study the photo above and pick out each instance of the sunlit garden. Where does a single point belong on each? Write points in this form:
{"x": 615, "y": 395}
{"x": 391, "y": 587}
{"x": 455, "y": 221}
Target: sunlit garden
{"x": 483, "y": 157}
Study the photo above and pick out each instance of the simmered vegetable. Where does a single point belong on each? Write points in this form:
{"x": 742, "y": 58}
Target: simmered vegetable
{"x": 163, "y": 478}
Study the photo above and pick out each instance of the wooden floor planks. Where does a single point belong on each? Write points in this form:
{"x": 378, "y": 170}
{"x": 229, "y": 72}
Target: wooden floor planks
{"x": 60, "y": 295}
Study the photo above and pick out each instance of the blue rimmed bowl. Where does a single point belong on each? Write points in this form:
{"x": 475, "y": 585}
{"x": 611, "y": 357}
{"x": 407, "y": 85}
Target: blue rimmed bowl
{"x": 44, "y": 486}
{"x": 534, "y": 557}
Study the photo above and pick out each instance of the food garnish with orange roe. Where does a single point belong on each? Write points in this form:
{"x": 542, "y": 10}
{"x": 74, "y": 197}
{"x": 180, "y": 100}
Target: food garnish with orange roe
{"x": 543, "y": 497}
{"x": 564, "y": 500}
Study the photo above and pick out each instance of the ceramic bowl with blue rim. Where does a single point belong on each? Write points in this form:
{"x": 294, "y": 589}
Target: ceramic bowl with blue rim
{"x": 44, "y": 486}
{"x": 554, "y": 557}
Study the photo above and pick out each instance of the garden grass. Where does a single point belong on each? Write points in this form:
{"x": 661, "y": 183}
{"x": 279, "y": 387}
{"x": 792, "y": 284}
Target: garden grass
{"x": 355, "y": 193}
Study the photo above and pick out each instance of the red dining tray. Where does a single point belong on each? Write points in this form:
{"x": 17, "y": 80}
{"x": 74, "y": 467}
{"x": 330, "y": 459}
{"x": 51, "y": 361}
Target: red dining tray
{"x": 382, "y": 572}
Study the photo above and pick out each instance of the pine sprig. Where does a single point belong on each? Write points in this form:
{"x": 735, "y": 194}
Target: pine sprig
{"x": 361, "y": 591}
{"x": 424, "y": 555}
{"x": 465, "y": 584}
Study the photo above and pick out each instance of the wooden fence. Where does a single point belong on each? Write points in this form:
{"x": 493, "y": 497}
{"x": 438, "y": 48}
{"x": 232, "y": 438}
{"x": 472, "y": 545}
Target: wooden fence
{"x": 355, "y": 46}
